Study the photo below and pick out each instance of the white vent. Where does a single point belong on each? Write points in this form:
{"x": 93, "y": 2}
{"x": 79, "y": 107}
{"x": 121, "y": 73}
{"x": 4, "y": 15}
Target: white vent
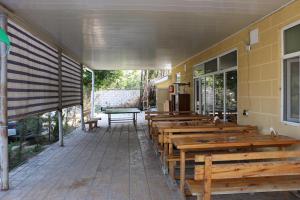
{"x": 254, "y": 39}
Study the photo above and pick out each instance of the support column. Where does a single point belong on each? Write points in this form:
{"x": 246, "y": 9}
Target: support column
{"x": 3, "y": 110}
{"x": 82, "y": 118}
{"x": 81, "y": 104}
{"x": 93, "y": 95}
{"x": 60, "y": 128}
{"x": 59, "y": 112}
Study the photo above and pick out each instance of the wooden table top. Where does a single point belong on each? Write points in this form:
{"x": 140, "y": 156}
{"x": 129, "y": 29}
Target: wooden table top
{"x": 189, "y": 124}
{"x": 223, "y": 141}
{"x": 168, "y": 124}
{"x": 121, "y": 110}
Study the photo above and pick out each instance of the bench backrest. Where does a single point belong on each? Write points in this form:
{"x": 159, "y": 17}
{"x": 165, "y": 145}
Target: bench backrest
{"x": 212, "y": 128}
{"x": 149, "y": 114}
{"x": 246, "y": 165}
{"x": 182, "y": 118}
{"x": 206, "y": 131}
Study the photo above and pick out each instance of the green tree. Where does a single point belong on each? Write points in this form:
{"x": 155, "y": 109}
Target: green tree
{"x": 113, "y": 79}
{"x": 103, "y": 79}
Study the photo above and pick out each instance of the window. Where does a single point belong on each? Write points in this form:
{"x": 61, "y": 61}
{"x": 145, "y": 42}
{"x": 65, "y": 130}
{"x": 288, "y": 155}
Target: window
{"x": 291, "y": 89}
{"x": 217, "y": 86}
{"x": 231, "y": 95}
{"x": 211, "y": 66}
{"x": 291, "y": 40}
{"x": 178, "y": 77}
{"x": 219, "y": 95}
{"x": 202, "y": 94}
{"x": 199, "y": 70}
{"x": 209, "y": 94}
{"x": 229, "y": 60}
{"x": 291, "y": 74}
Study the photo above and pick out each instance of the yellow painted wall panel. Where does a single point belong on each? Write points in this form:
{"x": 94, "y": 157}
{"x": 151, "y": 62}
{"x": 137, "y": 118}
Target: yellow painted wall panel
{"x": 254, "y": 74}
{"x": 270, "y": 105}
{"x": 270, "y": 71}
{"x": 259, "y": 70}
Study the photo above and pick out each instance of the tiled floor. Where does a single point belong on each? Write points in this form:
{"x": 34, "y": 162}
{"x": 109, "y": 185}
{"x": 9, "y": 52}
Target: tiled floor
{"x": 106, "y": 164}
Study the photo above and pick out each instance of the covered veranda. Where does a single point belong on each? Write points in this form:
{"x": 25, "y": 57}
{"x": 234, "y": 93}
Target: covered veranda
{"x": 237, "y": 61}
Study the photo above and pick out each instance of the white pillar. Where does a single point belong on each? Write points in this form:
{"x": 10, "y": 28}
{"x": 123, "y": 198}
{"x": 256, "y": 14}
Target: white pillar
{"x": 81, "y": 105}
{"x": 92, "y": 93}
{"x": 3, "y": 111}
{"x": 60, "y": 128}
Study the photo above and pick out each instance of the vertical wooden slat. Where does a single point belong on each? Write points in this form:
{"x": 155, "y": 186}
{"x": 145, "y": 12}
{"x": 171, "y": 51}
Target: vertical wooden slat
{"x": 3, "y": 109}
{"x": 207, "y": 177}
{"x": 182, "y": 170}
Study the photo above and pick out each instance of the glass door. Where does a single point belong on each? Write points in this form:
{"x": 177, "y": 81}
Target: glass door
{"x": 231, "y": 96}
{"x": 209, "y": 95}
{"x": 197, "y": 99}
{"x": 219, "y": 95}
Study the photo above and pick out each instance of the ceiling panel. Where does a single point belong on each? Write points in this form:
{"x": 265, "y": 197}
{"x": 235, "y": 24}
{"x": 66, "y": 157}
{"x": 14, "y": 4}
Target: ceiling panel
{"x": 134, "y": 34}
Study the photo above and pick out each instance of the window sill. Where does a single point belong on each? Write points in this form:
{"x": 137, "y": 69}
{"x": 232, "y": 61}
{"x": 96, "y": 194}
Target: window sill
{"x": 291, "y": 123}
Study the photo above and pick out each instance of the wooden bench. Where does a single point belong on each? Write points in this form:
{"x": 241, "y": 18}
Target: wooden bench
{"x": 177, "y": 118}
{"x": 250, "y": 172}
{"x": 92, "y": 122}
{"x": 201, "y": 133}
{"x": 150, "y": 114}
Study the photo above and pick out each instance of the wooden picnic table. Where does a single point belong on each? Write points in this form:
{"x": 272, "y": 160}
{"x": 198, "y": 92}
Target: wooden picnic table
{"x": 151, "y": 115}
{"x": 176, "y": 118}
{"x": 202, "y": 130}
{"x": 118, "y": 111}
{"x": 224, "y": 142}
{"x": 171, "y": 124}
{"x": 159, "y": 126}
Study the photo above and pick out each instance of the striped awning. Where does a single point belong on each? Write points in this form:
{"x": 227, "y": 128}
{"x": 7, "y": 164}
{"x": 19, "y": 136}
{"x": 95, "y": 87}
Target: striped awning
{"x": 33, "y": 76}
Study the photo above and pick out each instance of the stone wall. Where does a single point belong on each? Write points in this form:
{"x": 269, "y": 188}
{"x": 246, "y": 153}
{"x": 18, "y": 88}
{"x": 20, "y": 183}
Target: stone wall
{"x": 117, "y": 98}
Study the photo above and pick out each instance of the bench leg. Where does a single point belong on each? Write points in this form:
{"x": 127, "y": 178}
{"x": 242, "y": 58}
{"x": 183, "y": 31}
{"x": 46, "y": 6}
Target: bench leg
{"x": 172, "y": 165}
{"x": 109, "y": 119}
{"x": 182, "y": 170}
{"x": 133, "y": 118}
{"x": 165, "y": 155}
{"x": 207, "y": 178}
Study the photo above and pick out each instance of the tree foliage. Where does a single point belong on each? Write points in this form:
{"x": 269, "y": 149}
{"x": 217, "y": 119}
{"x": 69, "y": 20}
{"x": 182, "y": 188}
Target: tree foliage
{"x": 113, "y": 79}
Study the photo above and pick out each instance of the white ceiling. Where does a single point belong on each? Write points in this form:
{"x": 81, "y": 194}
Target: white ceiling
{"x": 133, "y": 34}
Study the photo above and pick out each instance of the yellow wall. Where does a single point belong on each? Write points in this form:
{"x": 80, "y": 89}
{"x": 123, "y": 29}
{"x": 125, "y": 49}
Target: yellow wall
{"x": 164, "y": 85}
{"x": 162, "y": 94}
{"x": 259, "y": 71}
